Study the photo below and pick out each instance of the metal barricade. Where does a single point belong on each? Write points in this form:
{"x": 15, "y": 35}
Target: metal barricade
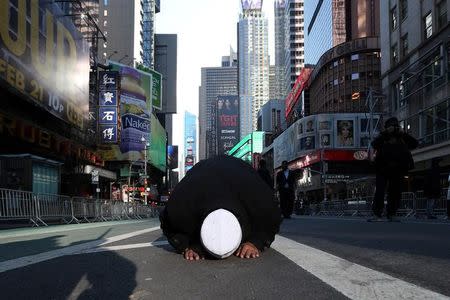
{"x": 17, "y": 205}
{"x": 406, "y": 205}
{"x": 79, "y": 211}
{"x": 105, "y": 210}
{"x": 53, "y": 207}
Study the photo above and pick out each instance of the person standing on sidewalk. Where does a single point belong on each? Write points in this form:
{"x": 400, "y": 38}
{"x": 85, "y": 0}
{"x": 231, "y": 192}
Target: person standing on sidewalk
{"x": 285, "y": 187}
{"x": 432, "y": 186}
{"x": 392, "y": 162}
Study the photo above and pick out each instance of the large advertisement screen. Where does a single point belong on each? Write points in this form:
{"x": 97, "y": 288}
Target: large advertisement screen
{"x": 227, "y": 123}
{"x": 135, "y": 111}
{"x": 44, "y": 58}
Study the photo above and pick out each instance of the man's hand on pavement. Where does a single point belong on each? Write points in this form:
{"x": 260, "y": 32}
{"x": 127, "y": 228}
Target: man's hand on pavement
{"x": 190, "y": 254}
{"x": 247, "y": 250}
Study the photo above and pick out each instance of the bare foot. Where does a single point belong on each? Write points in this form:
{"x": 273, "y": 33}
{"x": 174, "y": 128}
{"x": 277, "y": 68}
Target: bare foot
{"x": 247, "y": 250}
{"x": 190, "y": 254}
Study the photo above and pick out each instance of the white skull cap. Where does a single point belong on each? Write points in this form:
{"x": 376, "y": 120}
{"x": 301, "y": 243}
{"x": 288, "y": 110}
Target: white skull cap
{"x": 221, "y": 233}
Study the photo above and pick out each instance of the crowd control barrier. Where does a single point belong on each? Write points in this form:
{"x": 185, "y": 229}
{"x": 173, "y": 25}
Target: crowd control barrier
{"x": 39, "y": 209}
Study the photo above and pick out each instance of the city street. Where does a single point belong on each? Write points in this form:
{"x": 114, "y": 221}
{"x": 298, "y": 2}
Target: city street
{"x": 311, "y": 258}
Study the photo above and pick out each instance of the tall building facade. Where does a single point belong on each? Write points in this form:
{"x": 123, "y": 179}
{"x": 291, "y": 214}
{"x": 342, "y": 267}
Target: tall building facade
{"x": 129, "y": 29}
{"x": 166, "y": 46}
{"x": 190, "y": 141}
{"x": 279, "y": 85}
{"x": 215, "y": 81}
{"x": 253, "y": 53}
{"x": 415, "y": 43}
{"x": 294, "y": 56}
{"x": 330, "y": 23}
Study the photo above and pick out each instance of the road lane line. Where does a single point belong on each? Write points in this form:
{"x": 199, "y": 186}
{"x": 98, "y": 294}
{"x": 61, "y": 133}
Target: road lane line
{"x": 352, "y": 280}
{"x": 124, "y": 247}
{"x": 33, "y": 259}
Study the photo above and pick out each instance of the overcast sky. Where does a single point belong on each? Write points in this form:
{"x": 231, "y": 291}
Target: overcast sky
{"x": 206, "y": 29}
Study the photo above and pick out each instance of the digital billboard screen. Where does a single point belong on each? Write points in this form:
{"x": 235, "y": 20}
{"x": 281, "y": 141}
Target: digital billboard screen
{"x": 44, "y": 58}
{"x": 172, "y": 157}
{"x": 227, "y": 123}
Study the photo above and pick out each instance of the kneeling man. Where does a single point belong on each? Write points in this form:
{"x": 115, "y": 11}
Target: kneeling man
{"x": 222, "y": 206}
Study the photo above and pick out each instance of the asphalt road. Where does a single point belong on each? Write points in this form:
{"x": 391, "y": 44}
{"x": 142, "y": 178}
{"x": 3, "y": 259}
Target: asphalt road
{"x": 312, "y": 258}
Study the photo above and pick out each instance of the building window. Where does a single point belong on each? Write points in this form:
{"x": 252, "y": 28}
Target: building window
{"x": 428, "y": 25}
{"x": 404, "y": 45}
{"x": 105, "y": 23}
{"x": 442, "y": 13}
{"x": 105, "y": 13}
{"x": 355, "y": 56}
{"x": 403, "y": 9}
{"x": 394, "y": 22}
{"x": 105, "y": 2}
{"x": 355, "y": 76}
{"x": 394, "y": 54}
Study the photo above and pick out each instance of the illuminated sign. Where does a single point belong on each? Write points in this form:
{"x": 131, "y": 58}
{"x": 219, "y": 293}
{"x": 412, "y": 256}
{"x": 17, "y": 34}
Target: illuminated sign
{"x": 108, "y": 111}
{"x": 300, "y": 85}
{"x": 44, "y": 57}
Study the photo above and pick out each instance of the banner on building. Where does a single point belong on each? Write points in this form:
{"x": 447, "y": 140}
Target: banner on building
{"x": 227, "y": 124}
{"x": 108, "y": 110}
{"x": 135, "y": 111}
{"x": 44, "y": 58}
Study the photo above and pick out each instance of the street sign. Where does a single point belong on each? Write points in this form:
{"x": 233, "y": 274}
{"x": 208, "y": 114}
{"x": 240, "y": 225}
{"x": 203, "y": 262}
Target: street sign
{"x": 95, "y": 176}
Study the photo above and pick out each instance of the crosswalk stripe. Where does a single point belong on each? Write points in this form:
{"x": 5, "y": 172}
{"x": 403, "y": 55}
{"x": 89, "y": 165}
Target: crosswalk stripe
{"x": 33, "y": 259}
{"x": 352, "y": 280}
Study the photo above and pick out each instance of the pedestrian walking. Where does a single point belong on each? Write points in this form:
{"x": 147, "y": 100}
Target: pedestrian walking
{"x": 264, "y": 173}
{"x": 221, "y": 207}
{"x": 432, "y": 186}
{"x": 285, "y": 187}
{"x": 392, "y": 162}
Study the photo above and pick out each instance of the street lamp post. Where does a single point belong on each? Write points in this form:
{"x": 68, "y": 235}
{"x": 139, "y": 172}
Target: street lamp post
{"x": 145, "y": 168}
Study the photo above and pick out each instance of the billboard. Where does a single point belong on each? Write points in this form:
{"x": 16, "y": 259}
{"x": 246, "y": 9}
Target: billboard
{"x": 251, "y": 4}
{"x": 227, "y": 125}
{"x": 172, "y": 157}
{"x": 135, "y": 110}
{"x": 44, "y": 58}
{"x": 158, "y": 145}
{"x": 299, "y": 86}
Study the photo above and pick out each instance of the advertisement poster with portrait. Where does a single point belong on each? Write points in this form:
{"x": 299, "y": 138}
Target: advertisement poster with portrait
{"x": 308, "y": 142}
{"x": 345, "y": 133}
{"x": 135, "y": 114}
{"x": 44, "y": 58}
{"x": 325, "y": 128}
{"x": 227, "y": 122}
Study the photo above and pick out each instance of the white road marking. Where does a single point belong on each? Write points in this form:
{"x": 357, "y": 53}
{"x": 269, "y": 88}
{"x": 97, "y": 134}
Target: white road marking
{"x": 124, "y": 247}
{"x": 364, "y": 220}
{"x": 352, "y": 280}
{"x": 33, "y": 259}
{"x": 14, "y": 233}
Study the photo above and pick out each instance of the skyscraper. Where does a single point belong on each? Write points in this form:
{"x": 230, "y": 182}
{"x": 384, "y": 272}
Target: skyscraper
{"x": 278, "y": 85}
{"x": 129, "y": 29}
{"x": 215, "y": 81}
{"x": 294, "y": 56}
{"x": 330, "y": 23}
{"x": 253, "y": 53}
{"x": 190, "y": 141}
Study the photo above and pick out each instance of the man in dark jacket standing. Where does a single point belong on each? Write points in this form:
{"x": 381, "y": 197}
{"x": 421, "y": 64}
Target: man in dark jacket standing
{"x": 216, "y": 185}
{"x": 285, "y": 187}
{"x": 393, "y": 161}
